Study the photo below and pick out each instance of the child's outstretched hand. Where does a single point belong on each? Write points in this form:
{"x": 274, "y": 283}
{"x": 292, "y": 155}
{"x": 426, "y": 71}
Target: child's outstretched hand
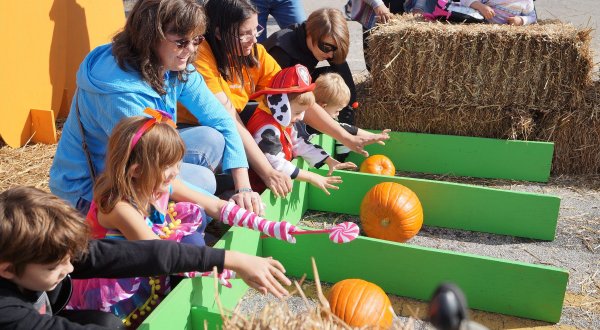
{"x": 333, "y": 165}
{"x": 486, "y": 11}
{"x": 515, "y": 20}
{"x": 381, "y": 136}
{"x": 324, "y": 182}
{"x": 262, "y": 274}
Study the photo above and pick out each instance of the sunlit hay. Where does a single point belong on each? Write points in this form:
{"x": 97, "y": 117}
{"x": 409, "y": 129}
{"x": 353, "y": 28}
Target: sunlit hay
{"x": 496, "y": 81}
{"x": 544, "y": 66}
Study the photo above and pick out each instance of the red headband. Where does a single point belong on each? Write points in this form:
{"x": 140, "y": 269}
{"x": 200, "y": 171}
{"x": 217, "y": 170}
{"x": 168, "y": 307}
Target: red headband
{"x": 158, "y": 116}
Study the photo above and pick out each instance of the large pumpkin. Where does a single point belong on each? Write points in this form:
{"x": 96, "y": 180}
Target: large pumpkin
{"x": 378, "y": 164}
{"x": 392, "y": 212}
{"x": 360, "y": 303}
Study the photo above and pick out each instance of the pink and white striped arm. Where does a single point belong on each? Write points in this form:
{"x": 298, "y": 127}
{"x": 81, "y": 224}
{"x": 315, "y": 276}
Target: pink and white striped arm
{"x": 234, "y": 215}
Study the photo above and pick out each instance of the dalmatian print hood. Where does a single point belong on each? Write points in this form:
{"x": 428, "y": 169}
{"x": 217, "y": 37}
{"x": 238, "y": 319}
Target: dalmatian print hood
{"x": 281, "y": 110}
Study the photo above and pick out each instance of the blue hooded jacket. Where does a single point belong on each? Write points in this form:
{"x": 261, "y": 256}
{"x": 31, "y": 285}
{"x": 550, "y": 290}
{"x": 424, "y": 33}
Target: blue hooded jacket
{"x": 106, "y": 94}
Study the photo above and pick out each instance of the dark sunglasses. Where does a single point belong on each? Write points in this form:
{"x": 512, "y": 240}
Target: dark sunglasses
{"x": 183, "y": 43}
{"x": 326, "y": 47}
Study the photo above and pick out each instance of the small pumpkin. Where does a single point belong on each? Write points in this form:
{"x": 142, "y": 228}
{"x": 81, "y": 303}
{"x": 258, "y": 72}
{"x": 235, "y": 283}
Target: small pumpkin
{"x": 378, "y": 164}
{"x": 392, "y": 212}
{"x": 360, "y": 303}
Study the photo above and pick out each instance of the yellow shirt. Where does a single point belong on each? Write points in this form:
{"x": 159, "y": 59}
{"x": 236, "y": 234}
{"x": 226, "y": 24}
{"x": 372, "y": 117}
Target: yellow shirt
{"x": 239, "y": 95}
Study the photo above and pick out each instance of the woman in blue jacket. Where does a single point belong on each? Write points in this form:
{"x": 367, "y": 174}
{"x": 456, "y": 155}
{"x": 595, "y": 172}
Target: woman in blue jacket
{"x": 149, "y": 64}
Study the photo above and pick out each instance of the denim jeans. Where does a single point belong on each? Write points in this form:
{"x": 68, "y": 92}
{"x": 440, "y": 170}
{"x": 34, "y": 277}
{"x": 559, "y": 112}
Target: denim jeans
{"x": 426, "y": 6}
{"x": 285, "y": 12}
{"x": 204, "y": 147}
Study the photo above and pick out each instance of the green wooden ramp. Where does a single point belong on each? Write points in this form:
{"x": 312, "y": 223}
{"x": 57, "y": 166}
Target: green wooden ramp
{"x": 452, "y": 205}
{"x": 464, "y": 156}
{"x": 494, "y": 285}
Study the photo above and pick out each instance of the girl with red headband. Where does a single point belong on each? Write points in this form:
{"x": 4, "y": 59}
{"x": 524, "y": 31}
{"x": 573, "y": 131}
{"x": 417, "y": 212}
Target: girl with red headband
{"x": 131, "y": 201}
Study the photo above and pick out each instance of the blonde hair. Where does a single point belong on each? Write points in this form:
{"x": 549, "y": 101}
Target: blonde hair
{"x": 330, "y": 88}
{"x": 306, "y": 98}
{"x": 38, "y": 227}
{"x": 330, "y": 22}
{"x": 157, "y": 149}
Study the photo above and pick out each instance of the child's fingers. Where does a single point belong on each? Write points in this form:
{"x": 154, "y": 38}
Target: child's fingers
{"x": 324, "y": 188}
{"x": 381, "y": 142}
{"x": 281, "y": 270}
{"x": 330, "y": 186}
{"x": 275, "y": 282}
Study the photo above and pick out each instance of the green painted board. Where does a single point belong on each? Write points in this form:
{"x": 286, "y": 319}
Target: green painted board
{"x": 173, "y": 312}
{"x": 452, "y": 205}
{"x": 494, "y": 285}
{"x": 465, "y": 156}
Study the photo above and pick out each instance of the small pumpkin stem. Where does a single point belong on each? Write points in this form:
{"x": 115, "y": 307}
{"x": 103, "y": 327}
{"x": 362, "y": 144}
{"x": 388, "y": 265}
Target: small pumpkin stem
{"x": 385, "y": 222}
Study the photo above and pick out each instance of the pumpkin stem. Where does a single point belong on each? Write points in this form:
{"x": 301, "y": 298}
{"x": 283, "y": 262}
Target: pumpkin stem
{"x": 385, "y": 222}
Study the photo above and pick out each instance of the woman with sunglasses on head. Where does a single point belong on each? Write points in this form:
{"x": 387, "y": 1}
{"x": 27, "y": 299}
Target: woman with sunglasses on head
{"x": 148, "y": 64}
{"x": 323, "y": 36}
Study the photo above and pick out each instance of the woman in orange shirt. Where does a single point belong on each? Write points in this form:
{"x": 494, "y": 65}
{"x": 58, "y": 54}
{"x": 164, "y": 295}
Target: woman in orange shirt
{"x": 235, "y": 66}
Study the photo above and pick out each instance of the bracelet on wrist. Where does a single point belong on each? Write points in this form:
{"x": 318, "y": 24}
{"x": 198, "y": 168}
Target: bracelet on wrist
{"x": 237, "y": 191}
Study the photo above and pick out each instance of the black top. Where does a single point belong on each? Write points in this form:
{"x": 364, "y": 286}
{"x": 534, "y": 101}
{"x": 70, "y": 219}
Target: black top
{"x": 106, "y": 259}
{"x": 288, "y": 47}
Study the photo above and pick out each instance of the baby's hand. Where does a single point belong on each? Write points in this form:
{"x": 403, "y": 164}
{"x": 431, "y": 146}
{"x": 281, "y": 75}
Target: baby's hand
{"x": 515, "y": 20}
{"x": 333, "y": 165}
{"x": 383, "y": 136}
{"x": 263, "y": 274}
{"x": 487, "y": 12}
{"x": 325, "y": 182}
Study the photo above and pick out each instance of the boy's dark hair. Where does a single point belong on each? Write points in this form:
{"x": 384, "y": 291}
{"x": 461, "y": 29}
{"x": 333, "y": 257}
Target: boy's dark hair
{"x": 38, "y": 227}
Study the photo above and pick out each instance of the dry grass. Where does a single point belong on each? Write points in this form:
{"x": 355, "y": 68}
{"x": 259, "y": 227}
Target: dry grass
{"x": 544, "y": 67}
{"x": 27, "y": 166}
{"x": 277, "y": 315}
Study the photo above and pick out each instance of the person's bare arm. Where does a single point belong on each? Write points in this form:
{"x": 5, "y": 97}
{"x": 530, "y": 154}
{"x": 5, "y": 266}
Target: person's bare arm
{"x": 318, "y": 118}
{"x": 279, "y": 183}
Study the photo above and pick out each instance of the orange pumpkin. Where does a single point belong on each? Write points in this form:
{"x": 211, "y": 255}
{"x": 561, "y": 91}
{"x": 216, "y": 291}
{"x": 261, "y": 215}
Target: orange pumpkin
{"x": 360, "y": 303}
{"x": 378, "y": 164}
{"x": 392, "y": 212}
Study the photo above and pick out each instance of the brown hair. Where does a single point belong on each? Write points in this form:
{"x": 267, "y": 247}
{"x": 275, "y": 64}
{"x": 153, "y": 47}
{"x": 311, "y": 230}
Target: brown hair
{"x": 330, "y": 22}
{"x": 226, "y": 17}
{"x": 330, "y": 88}
{"x": 306, "y": 98}
{"x": 38, "y": 227}
{"x": 135, "y": 47}
{"x": 158, "y": 148}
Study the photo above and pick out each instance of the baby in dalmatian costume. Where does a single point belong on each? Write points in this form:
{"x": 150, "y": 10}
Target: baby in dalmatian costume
{"x": 288, "y": 96}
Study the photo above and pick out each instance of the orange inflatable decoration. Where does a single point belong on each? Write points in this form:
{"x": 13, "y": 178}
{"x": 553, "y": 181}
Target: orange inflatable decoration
{"x": 378, "y": 164}
{"x": 43, "y": 43}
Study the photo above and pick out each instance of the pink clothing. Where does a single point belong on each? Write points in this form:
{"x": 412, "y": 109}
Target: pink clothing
{"x": 132, "y": 299}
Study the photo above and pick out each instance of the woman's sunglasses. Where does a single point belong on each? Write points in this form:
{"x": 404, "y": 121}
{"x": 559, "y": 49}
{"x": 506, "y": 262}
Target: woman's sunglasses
{"x": 183, "y": 43}
{"x": 326, "y": 47}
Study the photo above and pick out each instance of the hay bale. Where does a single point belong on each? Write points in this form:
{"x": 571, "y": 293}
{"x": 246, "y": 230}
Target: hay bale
{"x": 544, "y": 67}
{"x": 496, "y": 81}
{"x": 576, "y": 136}
{"x": 491, "y": 122}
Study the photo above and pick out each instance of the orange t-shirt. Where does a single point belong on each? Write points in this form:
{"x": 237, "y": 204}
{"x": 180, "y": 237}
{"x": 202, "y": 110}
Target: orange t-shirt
{"x": 239, "y": 95}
